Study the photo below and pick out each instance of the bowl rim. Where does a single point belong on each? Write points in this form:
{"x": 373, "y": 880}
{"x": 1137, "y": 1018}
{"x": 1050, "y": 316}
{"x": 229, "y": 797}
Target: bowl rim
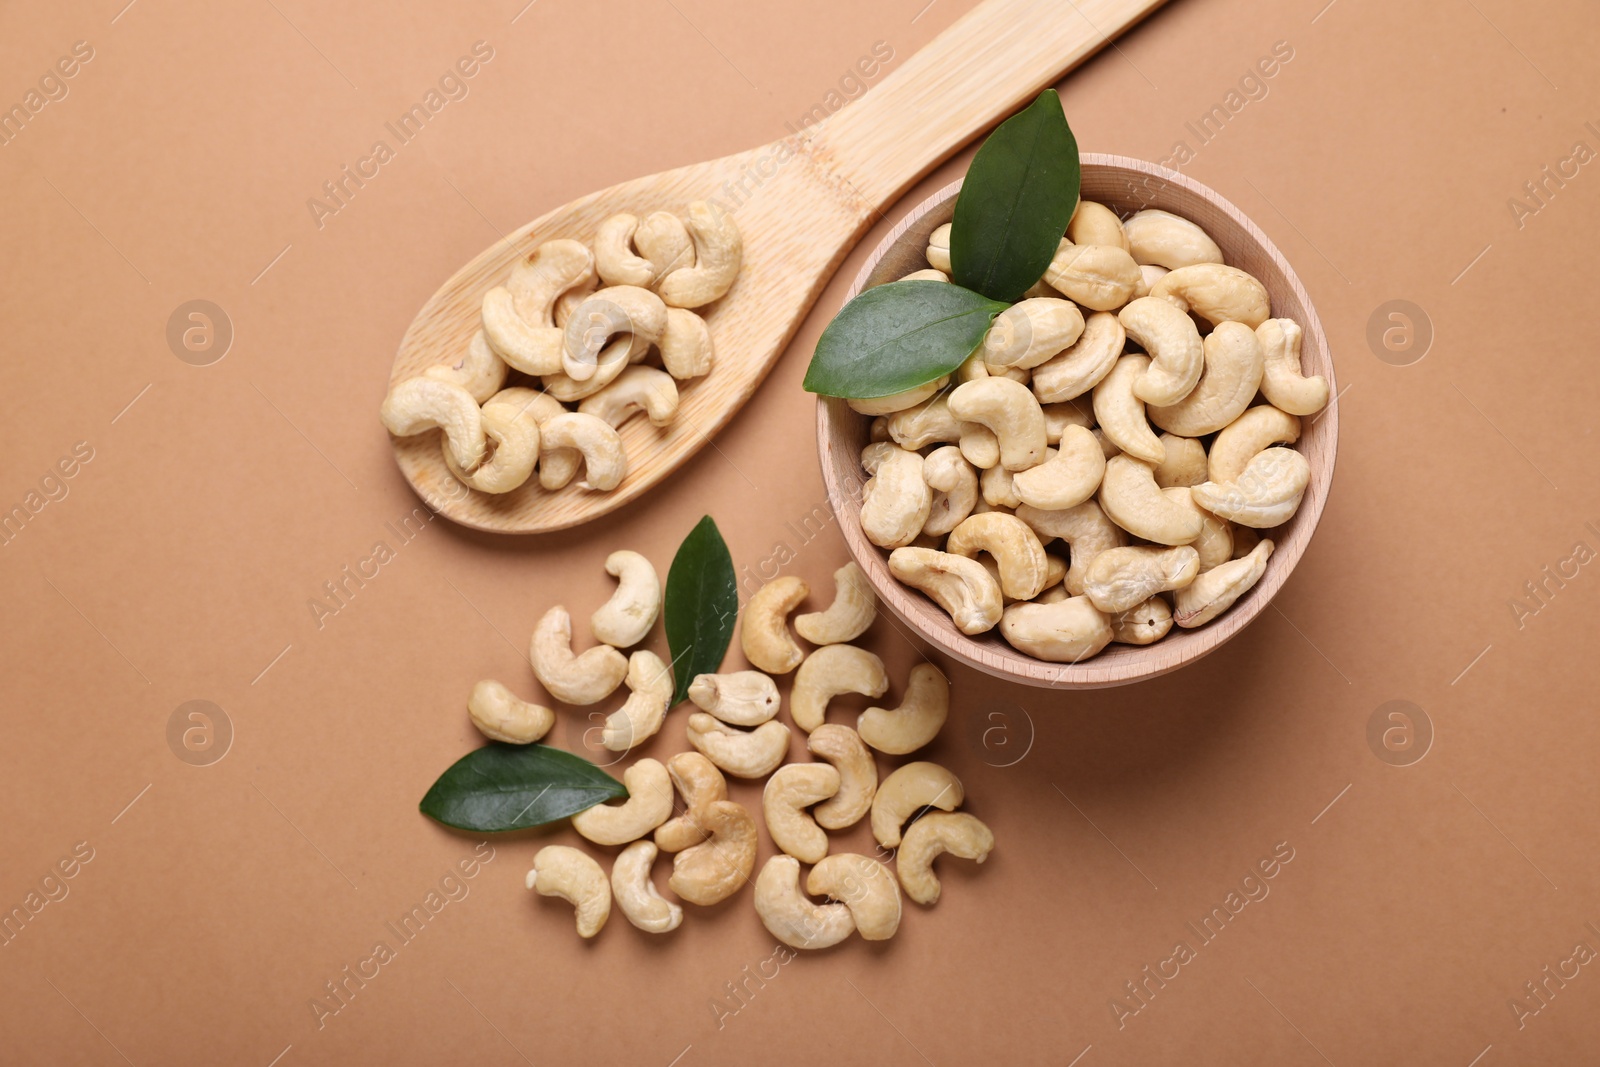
{"x": 1141, "y": 663}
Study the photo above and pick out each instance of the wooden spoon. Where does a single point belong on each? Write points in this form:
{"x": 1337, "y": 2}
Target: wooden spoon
{"x": 801, "y": 204}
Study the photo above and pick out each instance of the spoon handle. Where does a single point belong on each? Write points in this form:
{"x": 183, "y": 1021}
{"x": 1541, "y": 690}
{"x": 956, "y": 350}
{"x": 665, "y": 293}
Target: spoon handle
{"x": 996, "y": 56}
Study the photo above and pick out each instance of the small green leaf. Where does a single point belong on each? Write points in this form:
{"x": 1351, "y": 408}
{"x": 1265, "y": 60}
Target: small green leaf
{"x": 1018, "y": 196}
{"x": 511, "y": 787}
{"x": 898, "y": 336}
{"x": 702, "y": 603}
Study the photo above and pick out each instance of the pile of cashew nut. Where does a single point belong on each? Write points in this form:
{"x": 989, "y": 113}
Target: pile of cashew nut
{"x": 1049, "y": 432}
{"x": 735, "y": 731}
{"x": 560, "y": 364}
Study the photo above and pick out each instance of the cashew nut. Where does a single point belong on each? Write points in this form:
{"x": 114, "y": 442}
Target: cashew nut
{"x": 649, "y": 698}
{"x": 858, "y": 775}
{"x": 847, "y": 618}
{"x": 1149, "y": 275}
{"x": 1012, "y": 543}
{"x": 541, "y": 405}
{"x": 583, "y": 679}
{"x": 530, "y": 347}
{"x": 1233, "y": 367}
{"x": 539, "y": 279}
{"x": 789, "y": 792}
{"x": 764, "y": 629}
{"x": 896, "y": 501}
{"x": 1099, "y": 277}
{"x": 828, "y": 672}
{"x": 1143, "y": 624}
{"x": 480, "y": 372}
{"x": 742, "y": 753}
{"x": 1121, "y": 414}
{"x": 649, "y": 804}
{"x": 998, "y": 492}
{"x": 499, "y": 714}
{"x": 1122, "y": 578}
{"x": 1283, "y": 383}
{"x": 715, "y": 869}
{"x": 1177, "y": 356}
{"x": 1031, "y": 332}
{"x": 1066, "y": 631}
{"x": 1084, "y": 365}
{"x": 1215, "y": 543}
{"x": 916, "y": 721}
{"x": 699, "y": 783}
{"x": 641, "y": 903}
{"x": 1057, "y": 417}
{"x": 1096, "y": 224}
{"x": 1086, "y": 530}
{"x": 931, "y": 274}
{"x": 742, "y": 698}
{"x": 958, "y": 585}
{"x": 907, "y": 791}
{"x": 1247, "y": 436}
{"x": 514, "y": 432}
{"x": 1131, "y": 499}
{"x": 954, "y": 482}
{"x": 663, "y": 239}
{"x": 636, "y": 314}
{"x": 974, "y": 367}
{"x": 1216, "y": 590}
{"x": 563, "y": 871}
{"x": 1216, "y": 293}
{"x": 623, "y": 621}
{"x": 417, "y": 405}
{"x": 792, "y": 918}
{"x": 718, "y": 251}
{"x": 888, "y": 405}
{"x": 979, "y": 445}
{"x": 614, "y": 257}
{"x": 1068, "y": 477}
{"x": 685, "y": 345}
{"x": 939, "y": 248}
{"x": 636, "y": 389}
{"x": 1164, "y": 239}
{"x": 863, "y": 885}
{"x": 925, "y": 424}
{"x": 1009, "y": 410}
{"x": 1183, "y": 462}
{"x": 957, "y": 833}
{"x": 1266, "y": 494}
{"x": 604, "y": 461}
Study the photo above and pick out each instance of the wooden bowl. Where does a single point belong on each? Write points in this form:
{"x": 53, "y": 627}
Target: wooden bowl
{"x": 1125, "y": 185}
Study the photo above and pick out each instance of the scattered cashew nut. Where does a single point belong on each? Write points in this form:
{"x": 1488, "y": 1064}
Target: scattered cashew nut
{"x": 641, "y": 903}
{"x": 863, "y": 885}
{"x": 907, "y": 791}
{"x": 957, "y": 833}
{"x": 792, "y": 918}
{"x": 500, "y": 715}
{"x": 565, "y": 872}
{"x": 742, "y": 753}
{"x": 828, "y": 672}
{"x": 625, "y": 619}
{"x": 790, "y": 791}
{"x": 649, "y": 698}
{"x": 573, "y": 679}
{"x": 858, "y": 775}
{"x": 649, "y": 804}
{"x": 917, "y": 720}
{"x": 763, "y": 628}
{"x": 847, "y": 618}
{"x": 741, "y": 698}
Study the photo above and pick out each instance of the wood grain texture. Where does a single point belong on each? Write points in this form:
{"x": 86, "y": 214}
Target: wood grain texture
{"x": 801, "y": 204}
{"x": 1125, "y": 185}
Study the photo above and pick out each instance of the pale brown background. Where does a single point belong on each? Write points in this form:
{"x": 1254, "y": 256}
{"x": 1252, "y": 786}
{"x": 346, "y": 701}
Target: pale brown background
{"x": 181, "y": 563}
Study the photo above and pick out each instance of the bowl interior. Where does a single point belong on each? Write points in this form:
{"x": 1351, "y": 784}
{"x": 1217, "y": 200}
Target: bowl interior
{"x": 1125, "y": 185}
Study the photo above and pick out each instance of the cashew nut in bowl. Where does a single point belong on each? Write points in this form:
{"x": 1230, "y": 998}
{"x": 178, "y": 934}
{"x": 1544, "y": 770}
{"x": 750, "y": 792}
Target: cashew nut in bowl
{"x": 918, "y": 719}
{"x": 1233, "y": 366}
{"x": 1143, "y": 624}
{"x": 1083, "y": 366}
{"x": 927, "y": 423}
{"x": 686, "y": 345}
{"x": 625, "y": 310}
{"x": 931, "y": 274}
{"x": 1122, "y": 578}
{"x": 764, "y": 628}
{"x": 604, "y": 461}
{"x": 742, "y": 698}
{"x": 742, "y": 753}
{"x": 896, "y": 501}
{"x": 1131, "y": 499}
{"x": 1014, "y": 546}
{"x": 515, "y": 435}
{"x": 1031, "y": 332}
{"x": 718, "y": 867}
{"x": 1166, "y": 240}
{"x": 625, "y": 619}
{"x": 563, "y": 871}
{"x": 699, "y": 783}
{"x": 998, "y": 490}
{"x": 888, "y": 405}
{"x": 1066, "y": 479}
{"x": 480, "y": 372}
{"x": 1066, "y": 631}
{"x": 858, "y": 775}
{"x": 1086, "y": 530}
{"x": 847, "y": 618}
{"x": 1121, "y": 414}
{"x": 863, "y": 885}
{"x": 907, "y": 791}
{"x": 1011, "y": 412}
{"x": 958, "y": 585}
{"x": 641, "y": 903}
{"x": 957, "y": 833}
{"x": 1216, "y": 293}
{"x": 649, "y": 804}
{"x": 789, "y": 916}
{"x": 1215, "y": 543}
{"x": 1246, "y": 437}
{"x": 581, "y": 679}
{"x": 1216, "y": 590}
{"x": 649, "y": 697}
{"x": 499, "y": 714}
{"x": 1283, "y": 384}
{"x": 1267, "y": 493}
{"x": 828, "y": 672}
{"x": 1177, "y": 355}
{"x": 939, "y": 248}
{"x": 789, "y": 792}
{"x": 718, "y": 251}
{"x": 636, "y": 389}
{"x": 1096, "y": 224}
{"x": 417, "y": 405}
{"x": 1099, "y": 277}
{"x": 979, "y": 445}
{"x": 1057, "y": 417}
{"x": 954, "y": 483}
{"x": 1149, "y": 275}
{"x": 663, "y": 239}
{"x": 1183, "y": 462}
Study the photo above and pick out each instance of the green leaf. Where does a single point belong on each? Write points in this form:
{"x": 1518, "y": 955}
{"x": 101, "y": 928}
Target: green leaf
{"x": 702, "y": 603}
{"x": 898, "y": 336}
{"x": 1018, "y": 196}
{"x": 511, "y": 787}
